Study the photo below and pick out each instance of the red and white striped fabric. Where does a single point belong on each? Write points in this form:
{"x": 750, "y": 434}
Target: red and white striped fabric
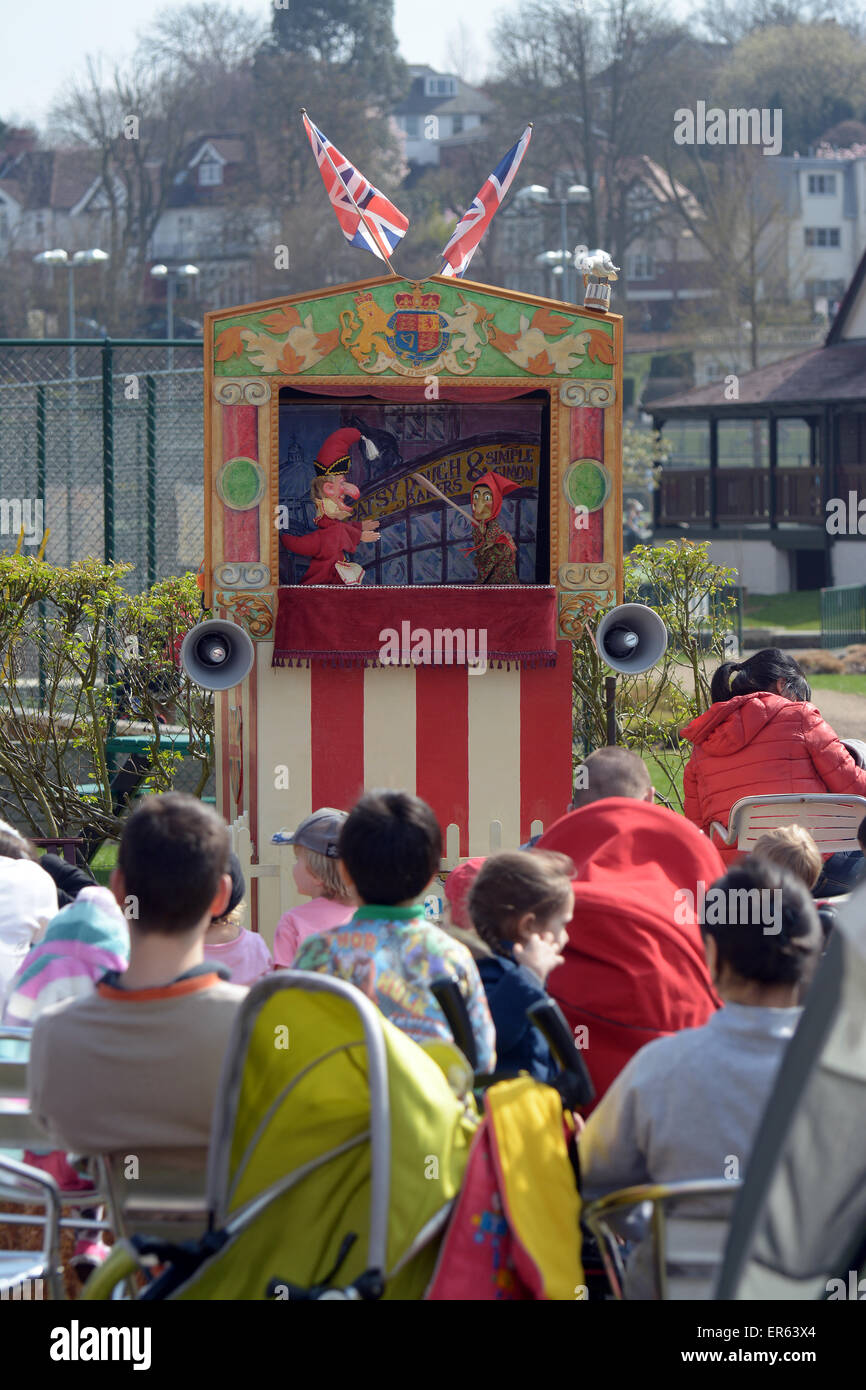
{"x": 478, "y": 748}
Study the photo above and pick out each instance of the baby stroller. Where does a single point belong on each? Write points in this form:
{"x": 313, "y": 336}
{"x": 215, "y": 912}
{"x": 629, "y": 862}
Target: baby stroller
{"x": 324, "y": 1107}
{"x": 337, "y": 1153}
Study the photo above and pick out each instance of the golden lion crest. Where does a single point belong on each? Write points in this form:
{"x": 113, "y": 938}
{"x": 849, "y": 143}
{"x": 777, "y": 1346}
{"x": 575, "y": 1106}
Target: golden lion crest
{"x": 418, "y": 338}
{"x": 369, "y": 324}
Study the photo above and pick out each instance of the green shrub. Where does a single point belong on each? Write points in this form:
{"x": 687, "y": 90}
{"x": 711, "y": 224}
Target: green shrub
{"x": 80, "y": 659}
{"x": 692, "y": 596}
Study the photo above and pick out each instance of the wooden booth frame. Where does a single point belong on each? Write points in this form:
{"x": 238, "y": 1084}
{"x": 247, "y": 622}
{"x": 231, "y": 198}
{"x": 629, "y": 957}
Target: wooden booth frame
{"x": 567, "y": 392}
{"x": 251, "y": 352}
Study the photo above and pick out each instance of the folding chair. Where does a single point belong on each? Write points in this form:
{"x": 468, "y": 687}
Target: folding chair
{"x": 687, "y": 1250}
{"x": 19, "y": 1269}
{"x": 831, "y": 819}
{"x": 157, "y": 1192}
{"x": 19, "y": 1132}
{"x": 160, "y": 1193}
{"x": 148, "y": 1192}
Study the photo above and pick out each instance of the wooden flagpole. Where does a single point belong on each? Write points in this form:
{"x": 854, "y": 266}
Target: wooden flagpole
{"x": 386, "y": 258}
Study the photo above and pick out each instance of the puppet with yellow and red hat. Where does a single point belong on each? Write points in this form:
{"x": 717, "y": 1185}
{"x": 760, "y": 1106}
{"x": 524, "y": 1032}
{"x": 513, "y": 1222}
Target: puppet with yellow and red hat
{"x": 495, "y": 551}
{"x": 336, "y": 536}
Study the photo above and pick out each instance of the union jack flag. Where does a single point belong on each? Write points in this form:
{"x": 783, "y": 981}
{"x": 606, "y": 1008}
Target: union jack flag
{"x": 477, "y": 218}
{"x": 366, "y": 216}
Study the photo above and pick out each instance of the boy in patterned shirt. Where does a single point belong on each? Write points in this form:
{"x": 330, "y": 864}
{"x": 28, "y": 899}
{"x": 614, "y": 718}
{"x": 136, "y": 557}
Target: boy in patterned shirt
{"x": 390, "y": 848}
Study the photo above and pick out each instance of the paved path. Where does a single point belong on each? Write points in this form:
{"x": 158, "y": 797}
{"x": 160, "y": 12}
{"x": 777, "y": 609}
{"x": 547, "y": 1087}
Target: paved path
{"x": 844, "y": 712}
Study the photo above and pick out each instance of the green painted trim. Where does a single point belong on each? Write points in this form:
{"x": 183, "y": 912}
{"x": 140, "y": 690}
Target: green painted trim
{"x": 294, "y": 339}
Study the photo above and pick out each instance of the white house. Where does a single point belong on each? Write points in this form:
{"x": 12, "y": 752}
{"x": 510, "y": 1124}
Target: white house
{"x": 438, "y": 112}
{"x": 209, "y": 221}
{"x": 825, "y": 201}
{"x": 58, "y": 198}
{"x": 43, "y": 201}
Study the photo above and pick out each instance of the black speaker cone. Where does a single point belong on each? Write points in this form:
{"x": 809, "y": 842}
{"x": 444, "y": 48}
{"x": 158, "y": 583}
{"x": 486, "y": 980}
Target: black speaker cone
{"x": 621, "y": 642}
{"x": 212, "y": 650}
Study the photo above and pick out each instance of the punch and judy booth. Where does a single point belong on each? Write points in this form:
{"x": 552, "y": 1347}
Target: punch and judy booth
{"x": 413, "y": 506}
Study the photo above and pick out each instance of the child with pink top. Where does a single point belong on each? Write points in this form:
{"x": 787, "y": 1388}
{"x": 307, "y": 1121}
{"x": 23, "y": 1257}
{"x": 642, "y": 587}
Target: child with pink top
{"x": 243, "y": 953}
{"x": 317, "y": 877}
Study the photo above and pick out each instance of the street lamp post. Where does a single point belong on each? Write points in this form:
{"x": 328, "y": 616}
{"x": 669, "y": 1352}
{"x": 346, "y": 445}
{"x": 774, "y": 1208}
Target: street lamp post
{"x": 563, "y": 242}
{"x": 171, "y": 275}
{"x": 537, "y": 194}
{"x": 59, "y": 257}
{"x": 70, "y": 263}
{"x": 558, "y": 262}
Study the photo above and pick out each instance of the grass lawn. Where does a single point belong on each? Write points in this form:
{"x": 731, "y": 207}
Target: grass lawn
{"x": 637, "y": 365}
{"x": 852, "y": 685}
{"x": 800, "y": 610}
{"x": 664, "y": 768}
{"x": 104, "y": 861}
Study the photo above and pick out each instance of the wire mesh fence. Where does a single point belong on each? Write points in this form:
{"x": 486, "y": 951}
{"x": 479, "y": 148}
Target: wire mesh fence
{"x": 843, "y": 615}
{"x": 101, "y": 447}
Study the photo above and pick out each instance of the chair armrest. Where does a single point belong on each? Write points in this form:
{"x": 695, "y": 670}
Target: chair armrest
{"x": 447, "y": 994}
{"x": 659, "y": 1192}
{"x": 8, "y": 1033}
{"x": 35, "y": 1176}
{"x": 857, "y": 748}
{"x": 723, "y": 831}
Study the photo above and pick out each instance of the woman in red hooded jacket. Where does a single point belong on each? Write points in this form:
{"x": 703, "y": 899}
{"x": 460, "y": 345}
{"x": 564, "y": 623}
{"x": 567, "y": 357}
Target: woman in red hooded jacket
{"x": 760, "y": 736}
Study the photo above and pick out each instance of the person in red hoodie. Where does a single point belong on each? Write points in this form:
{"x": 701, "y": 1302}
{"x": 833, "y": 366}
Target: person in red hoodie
{"x": 634, "y": 967}
{"x": 762, "y": 736}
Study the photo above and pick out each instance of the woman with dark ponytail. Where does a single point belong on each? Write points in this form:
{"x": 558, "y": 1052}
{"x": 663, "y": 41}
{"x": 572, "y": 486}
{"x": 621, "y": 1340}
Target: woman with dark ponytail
{"x": 770, "y": 670}
{"x": 761, "y": 736}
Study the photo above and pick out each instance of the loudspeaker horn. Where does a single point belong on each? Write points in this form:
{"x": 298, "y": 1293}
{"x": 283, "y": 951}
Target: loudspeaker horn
{"x": 217, "y": 654}
{"x": 631, "y": 638}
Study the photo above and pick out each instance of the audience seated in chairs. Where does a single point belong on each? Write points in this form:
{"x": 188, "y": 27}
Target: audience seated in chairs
{"x": 520, "y": 905}
{"x": 611, "y": 771}
{"x": 390, "y": 848}
{"x": 607, "y": 772}
{"x": 88, "y": 937}
{"x": 455, "y": 918}
{"x": 132, "y": 1064}
{"x": 793, "y": 847}
{"x": 227, "y": 942}
{"x": 688, "y": 1106}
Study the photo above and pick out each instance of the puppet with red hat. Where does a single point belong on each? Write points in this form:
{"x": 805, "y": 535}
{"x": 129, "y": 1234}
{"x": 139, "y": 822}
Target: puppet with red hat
{"x": 335, "y": 537}
{"x": 495, "y": 551}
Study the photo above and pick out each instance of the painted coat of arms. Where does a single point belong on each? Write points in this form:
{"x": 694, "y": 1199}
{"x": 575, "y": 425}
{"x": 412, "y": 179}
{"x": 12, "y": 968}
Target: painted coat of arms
{"x": 418, "y": 337}
{"x": 419, "y": 333}
{"x": 414, "y": 334}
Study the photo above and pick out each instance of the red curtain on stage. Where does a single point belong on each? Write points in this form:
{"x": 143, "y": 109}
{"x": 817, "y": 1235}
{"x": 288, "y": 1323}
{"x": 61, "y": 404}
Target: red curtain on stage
{"x": 340, "y": 626}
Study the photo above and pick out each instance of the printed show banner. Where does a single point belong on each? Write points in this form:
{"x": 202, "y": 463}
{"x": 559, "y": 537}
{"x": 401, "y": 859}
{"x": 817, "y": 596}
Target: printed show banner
{"x": 454, "y": 473}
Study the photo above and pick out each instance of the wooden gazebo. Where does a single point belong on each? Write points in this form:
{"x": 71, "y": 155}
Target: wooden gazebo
{"x": 768, "y": 498}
